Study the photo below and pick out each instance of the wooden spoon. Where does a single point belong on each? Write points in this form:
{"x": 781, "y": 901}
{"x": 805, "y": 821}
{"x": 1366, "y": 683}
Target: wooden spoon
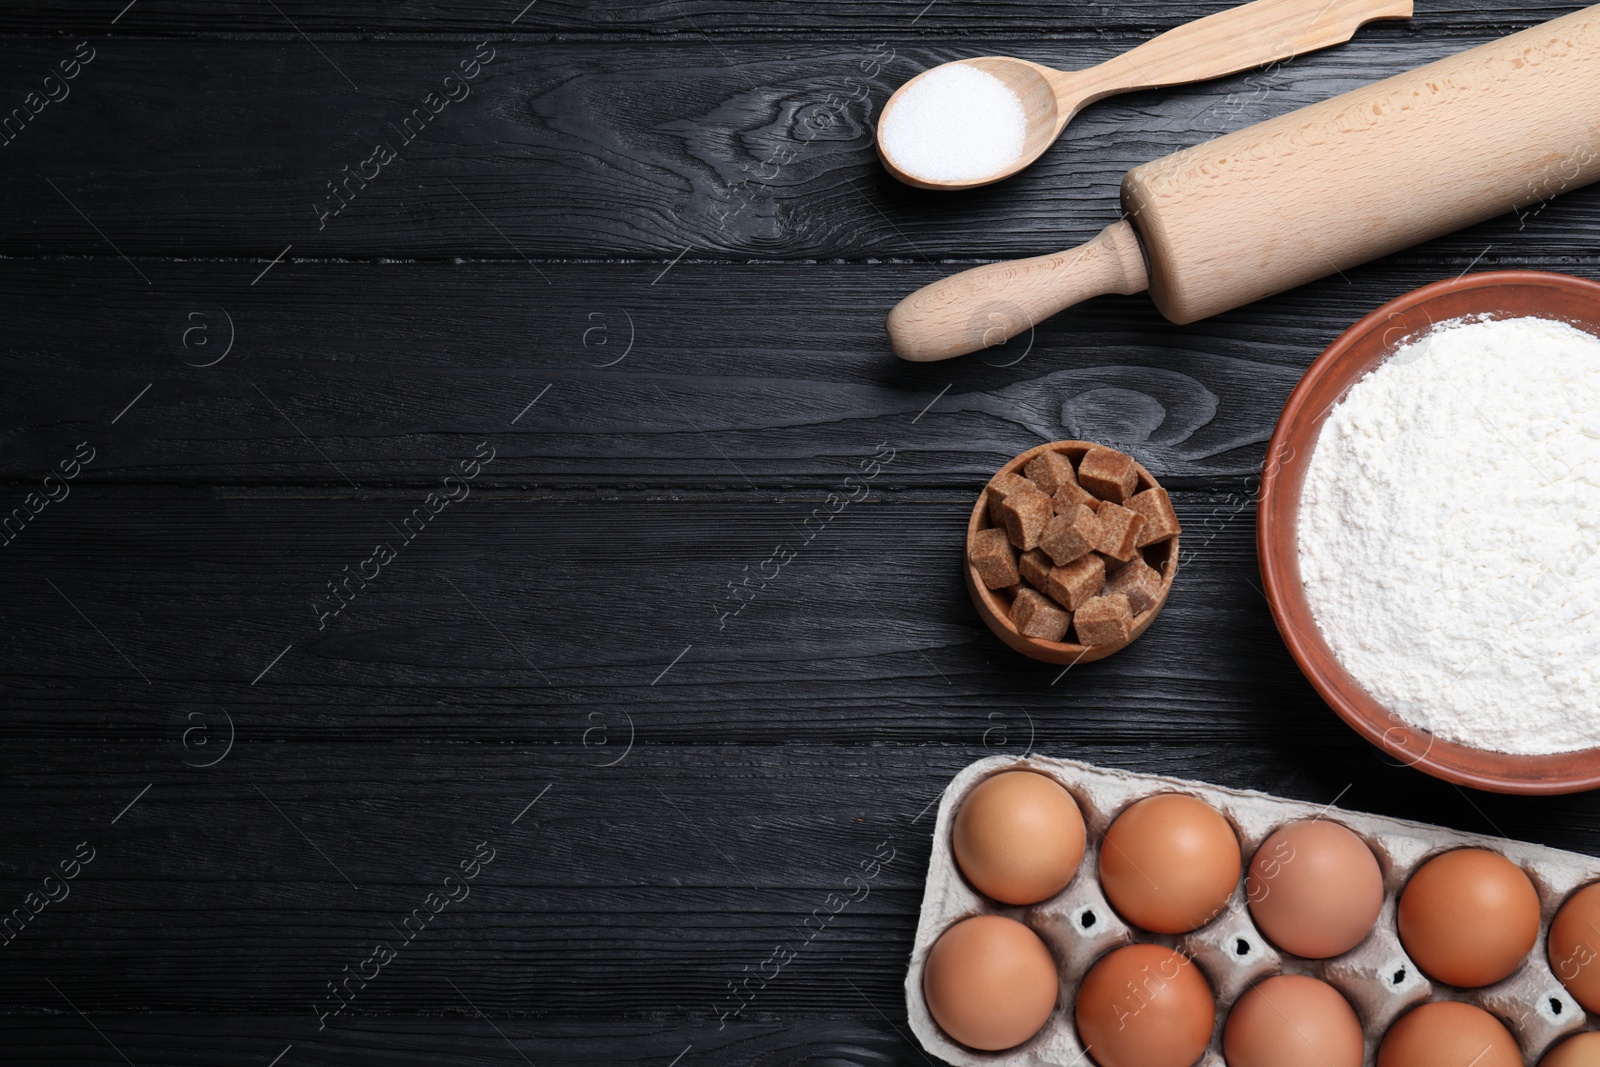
{"x": 1267, "y": 31}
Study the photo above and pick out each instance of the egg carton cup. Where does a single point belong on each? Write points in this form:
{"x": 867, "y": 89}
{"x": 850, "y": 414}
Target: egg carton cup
{"x": 1378, "y": 977}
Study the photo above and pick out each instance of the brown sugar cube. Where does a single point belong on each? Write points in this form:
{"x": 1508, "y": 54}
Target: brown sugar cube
{"x": 1119, "y": 531}
{"x": 1105, "y": 620}
{"x": 1160, "y": 521}
{"x": 1139, "y": 582}
{"x": 1034, "y": 616}
{"x": 1005, "y": 485}
{"x": 1077, "y": 582}
{"x": 1036, "y": 568}
{"x": 1108, "y": 475}
{"x": 1050, "y": 471}
{"x": 1025, "y": 516}
{"x": 1069, "y": 497}
{"x": 992, "y": 557}
{"x": 1071, "y": 536}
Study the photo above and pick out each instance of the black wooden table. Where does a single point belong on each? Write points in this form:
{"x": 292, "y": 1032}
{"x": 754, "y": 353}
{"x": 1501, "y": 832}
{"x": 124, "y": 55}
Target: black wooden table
{"x": 439, "y": 397}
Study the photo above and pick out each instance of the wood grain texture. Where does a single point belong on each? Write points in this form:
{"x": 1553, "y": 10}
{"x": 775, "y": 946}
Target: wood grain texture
{"x": 633, "y": 891}
{"x": 779, "y": 374}
{"x": 865, "y": 1038}
{"x": 664, "y": 150}
{"x": 734, "y": 18}
{"x": 472, "y": 635}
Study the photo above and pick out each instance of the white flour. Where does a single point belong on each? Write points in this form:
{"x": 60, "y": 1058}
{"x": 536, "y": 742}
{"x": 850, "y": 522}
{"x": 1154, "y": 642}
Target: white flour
{"x": 1450, "y": 535}
{"x": 954, "y": 123}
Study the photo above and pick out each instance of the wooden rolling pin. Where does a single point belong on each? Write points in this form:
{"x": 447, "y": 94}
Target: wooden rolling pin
{"x": 1308, "y": 194}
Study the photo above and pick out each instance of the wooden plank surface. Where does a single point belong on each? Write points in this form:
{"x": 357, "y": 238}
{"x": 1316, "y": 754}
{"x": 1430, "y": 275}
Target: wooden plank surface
{"x": 674, "y": 352}
{"x": 210, "y": 588}
{"x": 743, "y": 772}
{"x": 717, "y": 376}
{"x": 663, "y": 18}
{"x": 596, "y": 150}
{"x": 638, "y": 889}
{"x": 468, "y": 1040}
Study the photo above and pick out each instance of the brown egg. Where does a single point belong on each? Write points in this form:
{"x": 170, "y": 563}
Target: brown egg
{"x": 1469, "y": 917}
{"x": 1315, "y": 889}
{"x": 1575, "y": 946}
{"x": 1019, "y": 837}
{"x": 1170, "y": 863}
{"x": 1446, "y": 1033}
{"x": 1293, "y": 1021}
{"x": 1145, "y": 1006}
{"x": 1580, "y": 1051}
{"x": 990, "y": 982}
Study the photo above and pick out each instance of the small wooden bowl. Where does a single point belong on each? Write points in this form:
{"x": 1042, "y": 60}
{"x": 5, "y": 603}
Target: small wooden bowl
{"x": 995, "y": 605}
{"x": 1500, "y": 294}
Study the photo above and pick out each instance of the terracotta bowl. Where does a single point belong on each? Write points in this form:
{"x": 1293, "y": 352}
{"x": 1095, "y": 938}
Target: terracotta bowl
{"x": 994, "y": 605}
{"x": 1503, "y": 294}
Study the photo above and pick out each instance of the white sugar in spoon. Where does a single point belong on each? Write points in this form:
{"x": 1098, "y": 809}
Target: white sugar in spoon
{"x": 1263, "y": 32}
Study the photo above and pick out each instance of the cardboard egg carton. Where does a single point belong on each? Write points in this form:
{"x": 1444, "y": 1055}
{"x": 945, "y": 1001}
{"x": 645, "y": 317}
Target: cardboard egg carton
{"x": 1379, "y": 979}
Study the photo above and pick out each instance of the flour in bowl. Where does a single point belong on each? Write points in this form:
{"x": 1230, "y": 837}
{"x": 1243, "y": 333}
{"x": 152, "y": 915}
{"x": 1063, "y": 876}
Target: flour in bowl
{"x": 1450, "y": 534}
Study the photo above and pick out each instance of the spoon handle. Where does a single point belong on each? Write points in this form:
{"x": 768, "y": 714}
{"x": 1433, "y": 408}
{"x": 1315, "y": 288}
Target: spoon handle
{"x": 1238, "y": 39}
{"x": 987, "y": 306}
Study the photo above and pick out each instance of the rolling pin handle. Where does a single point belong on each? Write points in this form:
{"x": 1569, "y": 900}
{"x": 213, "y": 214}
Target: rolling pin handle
{"x": 987, "y": 306}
